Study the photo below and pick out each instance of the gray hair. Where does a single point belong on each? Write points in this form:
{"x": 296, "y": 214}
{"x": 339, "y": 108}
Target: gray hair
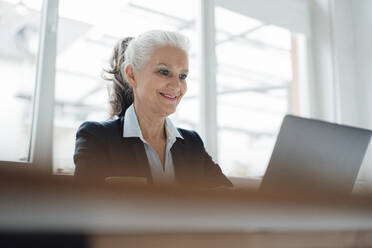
{"x": 135, "y": 52}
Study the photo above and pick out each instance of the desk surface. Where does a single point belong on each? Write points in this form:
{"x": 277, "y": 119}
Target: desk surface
{"x": 30, "y": 202}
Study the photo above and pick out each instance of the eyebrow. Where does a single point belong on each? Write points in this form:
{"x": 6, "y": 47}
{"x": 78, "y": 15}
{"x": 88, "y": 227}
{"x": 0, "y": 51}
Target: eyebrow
{"x": 184, "y": 70}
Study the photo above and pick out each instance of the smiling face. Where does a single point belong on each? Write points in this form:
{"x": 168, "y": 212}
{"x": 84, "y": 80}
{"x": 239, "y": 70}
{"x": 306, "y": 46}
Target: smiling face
{"x": 160, "y": 84}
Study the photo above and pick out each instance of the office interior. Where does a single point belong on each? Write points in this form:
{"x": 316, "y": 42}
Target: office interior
{"x": 251, "y": 63}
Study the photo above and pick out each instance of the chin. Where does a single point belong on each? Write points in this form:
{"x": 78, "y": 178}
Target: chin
{"x": 169, "y": 111}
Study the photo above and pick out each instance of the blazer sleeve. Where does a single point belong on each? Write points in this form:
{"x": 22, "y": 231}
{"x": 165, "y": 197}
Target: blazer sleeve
{"x": 90, "y": 157}
{"x": 212, "y": 171}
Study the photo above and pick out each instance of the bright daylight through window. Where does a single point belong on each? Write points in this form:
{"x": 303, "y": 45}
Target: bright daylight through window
{"x": 19, "y": 42}
{"x": 255, "y": 86}
{"x": 256, "y": 80}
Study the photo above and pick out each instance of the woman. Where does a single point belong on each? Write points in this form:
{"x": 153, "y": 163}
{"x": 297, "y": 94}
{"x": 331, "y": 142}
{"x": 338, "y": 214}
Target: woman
{"x": 148, "y": 77}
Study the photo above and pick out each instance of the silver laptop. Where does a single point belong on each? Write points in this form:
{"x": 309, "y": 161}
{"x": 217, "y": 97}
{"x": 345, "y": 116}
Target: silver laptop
{"x": 316, "y": 154}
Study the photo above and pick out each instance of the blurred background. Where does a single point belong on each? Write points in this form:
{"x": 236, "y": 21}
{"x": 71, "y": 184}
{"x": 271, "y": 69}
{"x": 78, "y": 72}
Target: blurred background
{"x": 265, "y": 59}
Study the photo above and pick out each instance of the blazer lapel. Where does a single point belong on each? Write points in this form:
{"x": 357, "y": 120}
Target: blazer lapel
{"x": 180, "y": 160}
{"x": 132, "y": 147}
{"x": 141, "y": 158}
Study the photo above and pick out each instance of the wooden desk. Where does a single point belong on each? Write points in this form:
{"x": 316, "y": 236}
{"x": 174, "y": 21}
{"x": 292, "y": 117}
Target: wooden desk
{"x": 132, "y": 216}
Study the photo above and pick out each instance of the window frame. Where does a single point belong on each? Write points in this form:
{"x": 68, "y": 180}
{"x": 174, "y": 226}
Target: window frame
{"x": 40, "y": 155}
{"x": 41, "y": 144}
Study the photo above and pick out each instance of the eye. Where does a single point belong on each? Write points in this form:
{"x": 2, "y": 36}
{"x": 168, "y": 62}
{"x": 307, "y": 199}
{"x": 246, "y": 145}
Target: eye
{"x": 163, "y": 72}
{"x": 182, "y": 76}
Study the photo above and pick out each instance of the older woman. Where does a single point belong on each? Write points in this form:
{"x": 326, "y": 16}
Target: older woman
{"x": 148, "y": 75}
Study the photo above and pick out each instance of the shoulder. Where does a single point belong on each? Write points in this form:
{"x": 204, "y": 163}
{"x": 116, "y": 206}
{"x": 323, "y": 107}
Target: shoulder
{"x": 103, "y": 128}
{"x": 190, "y": 135}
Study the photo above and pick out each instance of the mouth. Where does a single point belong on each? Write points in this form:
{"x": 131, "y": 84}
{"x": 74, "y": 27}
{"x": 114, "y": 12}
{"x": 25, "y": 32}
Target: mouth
{"x": 169, "y": 97}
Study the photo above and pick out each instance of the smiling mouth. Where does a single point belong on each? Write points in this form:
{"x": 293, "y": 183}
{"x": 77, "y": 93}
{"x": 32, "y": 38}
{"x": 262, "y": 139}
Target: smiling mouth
{"x": 169, "y": 97}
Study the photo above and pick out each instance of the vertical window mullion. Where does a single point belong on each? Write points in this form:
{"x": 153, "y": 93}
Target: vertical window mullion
{"x": 208, "y": 92}
{"x": 41, "y": 149}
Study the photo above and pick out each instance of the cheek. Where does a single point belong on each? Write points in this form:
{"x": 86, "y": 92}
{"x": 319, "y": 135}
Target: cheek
{"x": 147, "y": 88}
{"x": 183, "y": 88}
{"x": 183, "y": 91}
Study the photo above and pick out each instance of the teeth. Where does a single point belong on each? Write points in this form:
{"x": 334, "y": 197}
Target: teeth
{"x": 168, "y": 95}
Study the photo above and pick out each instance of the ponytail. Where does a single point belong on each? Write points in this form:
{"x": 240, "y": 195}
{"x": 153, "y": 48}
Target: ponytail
{"x": 120, "y": 91}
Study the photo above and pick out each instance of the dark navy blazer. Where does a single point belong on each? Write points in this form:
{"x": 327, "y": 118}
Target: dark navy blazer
{"x": 102, "y": 151}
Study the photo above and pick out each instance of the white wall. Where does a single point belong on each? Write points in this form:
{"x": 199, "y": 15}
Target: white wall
{"x": 362, "y": 27}
{"x": 343, "y": 44}
{"x": 362, "y": 18}
{"x": 340, "y": 51}
{"x": 321, "y": 65}
{"x": 341, "y": 58}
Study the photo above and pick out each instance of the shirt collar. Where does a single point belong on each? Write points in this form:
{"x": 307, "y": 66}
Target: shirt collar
{"x": 132, "y": 129}
{"x": 131, "y": 126}
{"x": 171, "y": 130}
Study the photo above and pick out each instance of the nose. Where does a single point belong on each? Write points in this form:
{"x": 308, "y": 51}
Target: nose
{"x": 175, "y": 82}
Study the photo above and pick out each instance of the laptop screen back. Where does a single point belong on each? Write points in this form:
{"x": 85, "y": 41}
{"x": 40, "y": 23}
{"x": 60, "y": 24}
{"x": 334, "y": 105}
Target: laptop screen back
{"x": 316, "y": 154}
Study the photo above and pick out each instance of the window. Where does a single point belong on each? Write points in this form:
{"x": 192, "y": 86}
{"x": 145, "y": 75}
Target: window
{"x": 256, "y": 87}
{"x": 19, "y": 42}
{"x": 85, "y": 43}
{"x": 257, "y": 72}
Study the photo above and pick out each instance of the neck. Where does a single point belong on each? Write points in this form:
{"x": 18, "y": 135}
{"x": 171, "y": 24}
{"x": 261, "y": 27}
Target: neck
{"x": 152, "y": 126}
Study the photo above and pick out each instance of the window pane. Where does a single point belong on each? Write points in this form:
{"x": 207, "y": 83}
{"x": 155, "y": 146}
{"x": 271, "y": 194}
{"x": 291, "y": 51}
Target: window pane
{"x": 253, "y": 83}
{"x": 85, "y": 42}
{"x": 19, "y": 41}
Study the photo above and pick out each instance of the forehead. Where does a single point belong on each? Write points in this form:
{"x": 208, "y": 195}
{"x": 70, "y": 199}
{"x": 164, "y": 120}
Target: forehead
{"x": 168, "y": 55}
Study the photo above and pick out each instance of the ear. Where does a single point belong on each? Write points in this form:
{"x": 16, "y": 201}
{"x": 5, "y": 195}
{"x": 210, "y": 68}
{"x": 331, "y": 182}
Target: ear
{"x": 129, "y": 72}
